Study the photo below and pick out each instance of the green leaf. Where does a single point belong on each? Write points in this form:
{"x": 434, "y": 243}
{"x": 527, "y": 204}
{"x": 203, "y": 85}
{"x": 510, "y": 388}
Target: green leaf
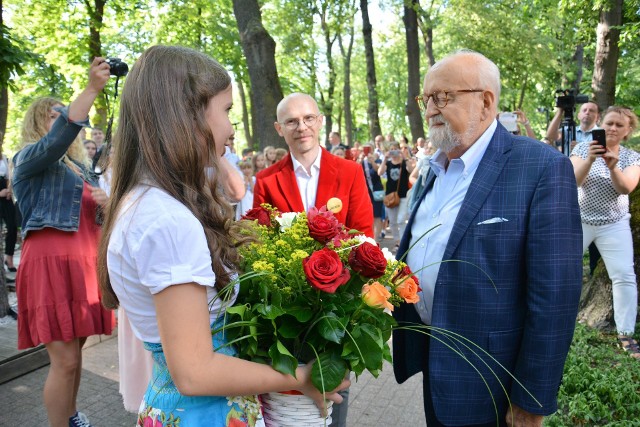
{"x": 270, "y": 311}
{"x": 302, "y": 314}
{"x": 290, "y": 328}
{"x": 282, "y": 360}
{"x": 368, "y": 346}
{"x": 237, "y": 309}
{"x": 329, "y": 369}
{"x": 331, "y": 328}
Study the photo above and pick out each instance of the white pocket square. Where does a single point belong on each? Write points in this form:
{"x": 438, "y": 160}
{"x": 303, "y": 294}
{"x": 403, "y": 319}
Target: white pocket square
{"x": 493, "y": 220}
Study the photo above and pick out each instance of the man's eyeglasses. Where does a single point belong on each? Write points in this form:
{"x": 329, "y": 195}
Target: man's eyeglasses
{"x": 309, "y": 121}
{"x": 441, "y": 98}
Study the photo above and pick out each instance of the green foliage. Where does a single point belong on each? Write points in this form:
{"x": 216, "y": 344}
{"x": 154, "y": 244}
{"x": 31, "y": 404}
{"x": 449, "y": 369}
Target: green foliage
{"x": 532, "y": 41}
{"x": 12, "y": 56}
{"x": 600, "y": 383}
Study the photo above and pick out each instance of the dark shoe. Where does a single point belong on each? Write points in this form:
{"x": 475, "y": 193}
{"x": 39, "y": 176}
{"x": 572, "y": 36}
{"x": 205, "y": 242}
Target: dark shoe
{"x": 629, "y": 345}
{"x": 14, "y": 314}
{"x": 11, "y": 269}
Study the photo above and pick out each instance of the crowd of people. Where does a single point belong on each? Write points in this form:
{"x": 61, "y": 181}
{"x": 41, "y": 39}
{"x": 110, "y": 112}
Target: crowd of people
{"x": 153, "y": 238}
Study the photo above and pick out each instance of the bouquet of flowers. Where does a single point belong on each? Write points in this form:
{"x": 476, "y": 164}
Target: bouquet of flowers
{"x": 313, "y": 290}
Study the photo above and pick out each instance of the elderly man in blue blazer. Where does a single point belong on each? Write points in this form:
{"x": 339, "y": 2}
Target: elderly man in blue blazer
{"x": 500, "y": 269}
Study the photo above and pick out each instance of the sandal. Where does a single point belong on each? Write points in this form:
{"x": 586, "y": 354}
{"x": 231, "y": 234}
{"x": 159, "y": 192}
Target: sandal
{"x": 629, "y": 345}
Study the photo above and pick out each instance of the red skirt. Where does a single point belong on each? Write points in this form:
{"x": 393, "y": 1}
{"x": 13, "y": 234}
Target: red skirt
{"x": 57, "y": 283}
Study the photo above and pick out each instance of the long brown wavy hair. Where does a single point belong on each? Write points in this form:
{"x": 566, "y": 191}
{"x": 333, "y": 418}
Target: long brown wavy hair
{"x": 163, "y": 137}
{"x": 36, "y": 125}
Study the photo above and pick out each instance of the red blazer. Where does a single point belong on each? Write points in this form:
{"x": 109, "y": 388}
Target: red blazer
{"x": 339, "y": 178}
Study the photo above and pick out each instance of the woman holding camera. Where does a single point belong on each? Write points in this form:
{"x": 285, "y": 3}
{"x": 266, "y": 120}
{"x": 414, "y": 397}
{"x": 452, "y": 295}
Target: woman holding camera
{"x": 57, "y": 283}
{"x": 605, "y": 178}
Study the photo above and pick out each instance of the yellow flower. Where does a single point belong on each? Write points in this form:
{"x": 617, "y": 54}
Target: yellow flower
{"x": 262, "y": 266}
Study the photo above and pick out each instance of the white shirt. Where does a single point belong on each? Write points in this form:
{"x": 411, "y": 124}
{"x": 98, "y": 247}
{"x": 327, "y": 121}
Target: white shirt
{"x": 4, "y": 166}
{"x": 600, "y": 203}
{"x": 440, "y": 209}
{"x": 307, "y": 180}
{"x": 157, "y": 242}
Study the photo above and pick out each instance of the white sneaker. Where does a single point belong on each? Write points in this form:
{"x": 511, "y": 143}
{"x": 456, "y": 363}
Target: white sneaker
{"x": 79, "y": 420}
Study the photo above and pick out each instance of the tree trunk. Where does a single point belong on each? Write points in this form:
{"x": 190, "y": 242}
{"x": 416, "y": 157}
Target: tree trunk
{"x": 346, "y": 92}
{"x": 4, "y": 94}
{"x": 596, "y": 301}
{"x": 523, "y": 90}
{"x": 578, "y": 57}
{"x": 96, "y": 16}
{"x": 4, "y": 109}
{"x": 607, "y": 52}
{"x": 327, "y": 102}
{"x": 4, "y": 103}
{"x": 426, "y": 28}
{"x": 372, "y": 108}
{"x": 413, "y": 64}
{"x": 259, "y": 49}
{"x": 245, "y": 114}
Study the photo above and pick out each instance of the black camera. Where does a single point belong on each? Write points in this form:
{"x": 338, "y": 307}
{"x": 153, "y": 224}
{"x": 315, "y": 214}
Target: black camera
{"x": 117, "y": 67}
{"x": 568, "y": 99}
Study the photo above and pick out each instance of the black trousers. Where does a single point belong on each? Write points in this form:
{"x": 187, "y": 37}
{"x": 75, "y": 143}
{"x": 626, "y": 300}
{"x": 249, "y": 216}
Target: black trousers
{"x": 429, "y": 410}
{"x": 8, "y": 215}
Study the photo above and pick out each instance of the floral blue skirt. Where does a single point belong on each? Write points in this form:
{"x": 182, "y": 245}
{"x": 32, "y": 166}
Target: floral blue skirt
{"x": 164, "y": 406}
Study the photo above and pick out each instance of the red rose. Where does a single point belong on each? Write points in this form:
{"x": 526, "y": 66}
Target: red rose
{"x": 323, "y": 225}
{"x": 325, "y": 271}
{"x": 368, "y": 260}
{"x": 261, "y": 214}
{"x": 404, "y": 272}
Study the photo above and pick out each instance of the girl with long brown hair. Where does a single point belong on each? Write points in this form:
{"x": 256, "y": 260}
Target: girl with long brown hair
{"x": 168, "y": 251}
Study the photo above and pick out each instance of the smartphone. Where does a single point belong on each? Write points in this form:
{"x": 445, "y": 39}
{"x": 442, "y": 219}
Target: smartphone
{"x": 366, "y": 150}
{"x": 600, "y": 136}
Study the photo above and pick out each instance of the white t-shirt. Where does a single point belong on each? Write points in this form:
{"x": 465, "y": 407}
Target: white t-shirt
{"x": 157, "y": 242}
{"x": 599, "y": 201}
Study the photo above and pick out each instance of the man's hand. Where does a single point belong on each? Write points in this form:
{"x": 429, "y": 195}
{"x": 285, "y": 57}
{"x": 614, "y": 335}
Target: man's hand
{"x": 518, "y": 417}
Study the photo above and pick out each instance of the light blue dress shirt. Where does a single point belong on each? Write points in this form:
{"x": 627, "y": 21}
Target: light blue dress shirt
{"x": 439, "y": 209}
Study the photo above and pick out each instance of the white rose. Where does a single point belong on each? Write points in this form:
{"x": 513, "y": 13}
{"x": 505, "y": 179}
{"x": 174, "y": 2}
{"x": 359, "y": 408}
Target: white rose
{"x": 362, "y": 238}
{"x": 388, "y": 255}
{"x": 286, "y": 219}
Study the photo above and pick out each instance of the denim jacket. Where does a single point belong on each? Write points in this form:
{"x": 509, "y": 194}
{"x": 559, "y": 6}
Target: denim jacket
{"x": 49, "y": 193}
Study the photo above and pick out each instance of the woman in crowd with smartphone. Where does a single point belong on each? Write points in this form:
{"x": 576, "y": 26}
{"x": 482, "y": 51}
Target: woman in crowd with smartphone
{"x": 606, "y": 174}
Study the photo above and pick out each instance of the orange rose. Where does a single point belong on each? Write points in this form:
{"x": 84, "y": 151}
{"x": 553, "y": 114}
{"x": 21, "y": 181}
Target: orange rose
{"x": 376, "y": 295}
{"x": 408, "y": 289}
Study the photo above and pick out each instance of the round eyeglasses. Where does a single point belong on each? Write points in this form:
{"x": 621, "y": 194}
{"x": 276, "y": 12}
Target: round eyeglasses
{"x": 441, "y": 98}
{"x": 309, "y": 120}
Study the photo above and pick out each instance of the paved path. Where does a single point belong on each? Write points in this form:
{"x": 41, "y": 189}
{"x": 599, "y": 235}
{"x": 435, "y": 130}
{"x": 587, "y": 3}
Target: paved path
{"x": 375, "y": 402}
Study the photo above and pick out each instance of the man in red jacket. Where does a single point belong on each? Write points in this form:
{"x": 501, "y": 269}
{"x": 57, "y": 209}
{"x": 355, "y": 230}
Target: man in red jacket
{"x": 310, "y": 175}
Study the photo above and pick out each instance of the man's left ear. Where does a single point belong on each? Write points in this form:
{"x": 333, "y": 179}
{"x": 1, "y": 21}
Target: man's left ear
{"x": 488, "y": 103}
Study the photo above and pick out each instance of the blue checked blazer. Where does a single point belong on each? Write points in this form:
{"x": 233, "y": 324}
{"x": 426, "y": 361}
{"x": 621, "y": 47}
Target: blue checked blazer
{"x": 525, "y": 319}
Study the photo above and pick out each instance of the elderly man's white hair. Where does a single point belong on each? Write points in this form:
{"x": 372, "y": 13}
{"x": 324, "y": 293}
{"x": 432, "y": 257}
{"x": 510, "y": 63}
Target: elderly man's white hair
{"x": 488, "y": 72}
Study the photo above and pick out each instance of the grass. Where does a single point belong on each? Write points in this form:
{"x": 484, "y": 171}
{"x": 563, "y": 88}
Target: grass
{"x": 601, "y": 384}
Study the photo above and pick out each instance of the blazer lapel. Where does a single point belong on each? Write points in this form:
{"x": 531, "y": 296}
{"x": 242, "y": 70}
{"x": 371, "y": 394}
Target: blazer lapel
{"x": 286, "y": 179}
{"x": 484, "y": 179}
{"x": 327, "y": 181}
